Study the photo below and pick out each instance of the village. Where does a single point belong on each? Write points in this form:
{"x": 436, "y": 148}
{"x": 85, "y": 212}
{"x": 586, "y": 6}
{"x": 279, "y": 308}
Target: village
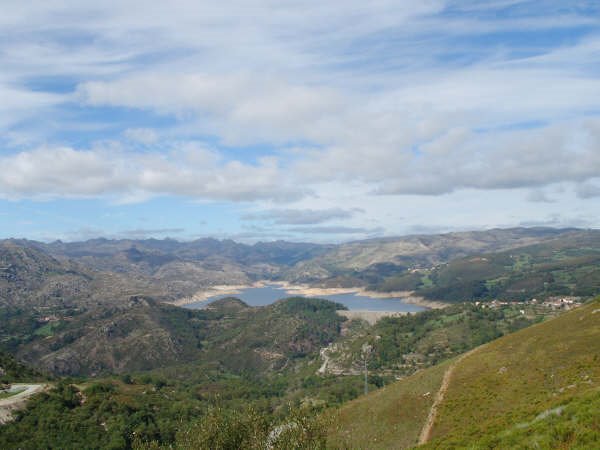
{"x": 556, "y": 303}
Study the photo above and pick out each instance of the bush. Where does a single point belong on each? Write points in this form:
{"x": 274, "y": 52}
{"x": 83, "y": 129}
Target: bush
{"x": 225, "y": 430}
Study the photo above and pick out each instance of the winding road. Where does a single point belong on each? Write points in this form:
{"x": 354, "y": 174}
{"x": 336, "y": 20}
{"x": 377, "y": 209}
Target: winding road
{"x": 17, "y": 401}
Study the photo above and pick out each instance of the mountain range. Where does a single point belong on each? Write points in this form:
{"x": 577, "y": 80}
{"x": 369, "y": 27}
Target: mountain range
{"x": 491, "y": 369}
{"x": 98, "y": 306}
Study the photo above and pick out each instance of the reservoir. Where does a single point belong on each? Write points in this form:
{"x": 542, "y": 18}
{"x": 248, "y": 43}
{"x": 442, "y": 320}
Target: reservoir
{"x": 261, "y": 296}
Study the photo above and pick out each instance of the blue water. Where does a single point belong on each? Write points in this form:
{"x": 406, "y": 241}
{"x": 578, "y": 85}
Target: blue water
{"x": 266, "y": 295}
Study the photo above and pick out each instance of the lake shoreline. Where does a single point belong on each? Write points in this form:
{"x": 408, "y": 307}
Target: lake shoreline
{"x": 311, "y": 291}
{"x": 302, "y": 290}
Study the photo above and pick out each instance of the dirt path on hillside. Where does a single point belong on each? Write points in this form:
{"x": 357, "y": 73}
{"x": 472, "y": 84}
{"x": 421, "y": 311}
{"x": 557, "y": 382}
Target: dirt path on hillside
{"x": 17, "y": 401}
{"x": 439, "y": 398}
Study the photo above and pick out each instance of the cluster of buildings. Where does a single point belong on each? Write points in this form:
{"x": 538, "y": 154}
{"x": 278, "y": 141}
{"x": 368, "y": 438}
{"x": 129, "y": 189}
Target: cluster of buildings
{"x": 565, "y": 303}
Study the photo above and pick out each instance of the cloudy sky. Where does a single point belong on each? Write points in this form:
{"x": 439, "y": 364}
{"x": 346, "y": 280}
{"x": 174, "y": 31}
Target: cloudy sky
{"x": 304, "y": 120}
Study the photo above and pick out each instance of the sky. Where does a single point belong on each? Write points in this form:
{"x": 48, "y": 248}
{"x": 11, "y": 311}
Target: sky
{"x": 317, "y": 121}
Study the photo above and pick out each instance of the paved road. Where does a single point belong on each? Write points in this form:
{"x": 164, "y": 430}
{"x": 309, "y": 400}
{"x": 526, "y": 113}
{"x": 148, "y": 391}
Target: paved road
{"x": 7, "y": 405}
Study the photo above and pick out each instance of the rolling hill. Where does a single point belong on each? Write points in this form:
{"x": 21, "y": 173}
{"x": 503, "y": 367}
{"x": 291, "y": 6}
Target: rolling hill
{"x": 55, "y": 299}
{"x": 536, "y": 388}
{"x": 143, "y": 334}
{"x": 350, "y": 263}
{"x": 567, "y": 265}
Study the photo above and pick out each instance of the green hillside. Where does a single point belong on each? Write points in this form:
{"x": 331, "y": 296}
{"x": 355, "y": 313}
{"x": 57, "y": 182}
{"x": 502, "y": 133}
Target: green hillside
{"x": 389, "y": 417}
{"x": 514, "y": 264}
{"x": 544, "y": 379}
{"x": 539, "y": 383}
{"x": 353, "y": 262}
{"x": 144, "y": 334}
{"x": 66, "y": 319}
{"x": 402, "y": 345}
{"x": 566, "y": 266}
{"x": 510, "y": 382}
{"x": 160, "y": 375}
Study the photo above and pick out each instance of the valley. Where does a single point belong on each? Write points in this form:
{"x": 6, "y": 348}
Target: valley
{"x": 152, "y": 333}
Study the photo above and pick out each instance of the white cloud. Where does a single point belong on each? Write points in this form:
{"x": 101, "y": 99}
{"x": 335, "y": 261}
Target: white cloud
{"x": 239, "y": 107}
{"x": 503, "y": 159}
{"x": 393, "y": 97}
{"x": 332, "y": 229}
{"x": 189, "y": 171}
{"x": 18, "y": 104}
{"x": 539, "y": 196}
{"x": 302, "y": 216}
{"x": 145, "y": 136}
{"x": 497, "y": 124}
{"x": 588, "y": 189}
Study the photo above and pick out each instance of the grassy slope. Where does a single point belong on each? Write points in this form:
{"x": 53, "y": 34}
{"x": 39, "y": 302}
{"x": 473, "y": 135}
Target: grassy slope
{"x": 494, "y": 394}
{"x": 514, "y": 379}
{"x": 573, "y": 425}
{"x": 390, "y": 417}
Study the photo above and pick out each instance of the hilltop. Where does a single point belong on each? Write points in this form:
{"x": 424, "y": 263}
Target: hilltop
{"x": 535, "y": 387}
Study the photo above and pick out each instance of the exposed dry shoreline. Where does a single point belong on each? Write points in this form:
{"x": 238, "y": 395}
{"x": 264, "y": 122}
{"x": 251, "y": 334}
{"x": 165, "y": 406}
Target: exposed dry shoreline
{"x": 302, "y": 290}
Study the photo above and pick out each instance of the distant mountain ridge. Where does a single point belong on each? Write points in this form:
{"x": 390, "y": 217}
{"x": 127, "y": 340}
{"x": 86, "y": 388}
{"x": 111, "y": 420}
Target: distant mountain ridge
{"x": 54, "y": 298}
{"x": 431, "y": 248}
{"x": 168, "y": 269}
{"x": 280, "y": 252}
